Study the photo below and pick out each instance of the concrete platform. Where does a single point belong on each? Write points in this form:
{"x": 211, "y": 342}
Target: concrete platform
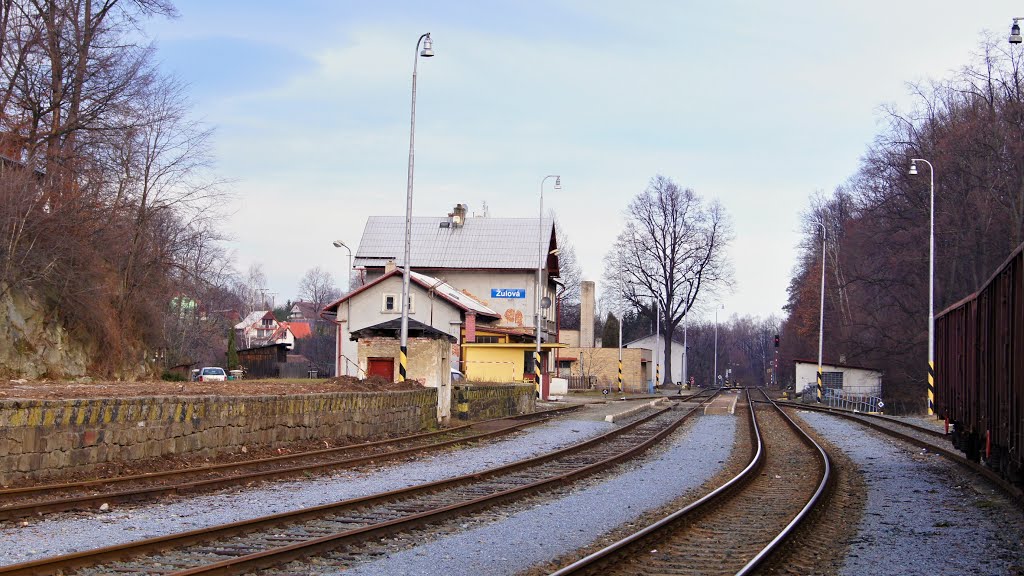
{"x": 611, "y": 410}
{"x": 724, "y": 404}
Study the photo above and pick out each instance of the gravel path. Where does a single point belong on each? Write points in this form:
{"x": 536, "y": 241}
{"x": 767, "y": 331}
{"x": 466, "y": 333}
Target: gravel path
{"x": 925, "y": 515}
{"x": 549, "y": 530}
{"x": 66, "y": 533}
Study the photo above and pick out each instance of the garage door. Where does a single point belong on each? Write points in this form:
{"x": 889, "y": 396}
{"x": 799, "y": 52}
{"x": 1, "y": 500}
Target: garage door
{"x": 383, "y": 367}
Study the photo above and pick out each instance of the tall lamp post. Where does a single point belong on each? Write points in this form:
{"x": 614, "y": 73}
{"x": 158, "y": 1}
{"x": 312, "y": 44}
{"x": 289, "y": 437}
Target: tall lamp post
{"x": 821, "y": 312}
{"x": 348, "y": 288}
{"x": 686, "y": 346}
{"x": 931, "y": 270}
{"x": 541, "y": 261}
{"x": 657, "y": 340}
{"x": 720, "y": 307}
{"x": 348, "y": 271}
{"x": 622, "y": 389}
{"x": 403, "y": 355}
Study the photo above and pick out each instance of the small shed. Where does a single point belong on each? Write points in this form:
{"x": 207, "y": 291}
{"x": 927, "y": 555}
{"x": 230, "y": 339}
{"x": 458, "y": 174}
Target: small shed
{"x": 857, "y": 380}
{"x": 263, "y": 361}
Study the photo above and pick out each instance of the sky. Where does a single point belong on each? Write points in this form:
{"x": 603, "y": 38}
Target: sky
{"x": 757, "y": 105}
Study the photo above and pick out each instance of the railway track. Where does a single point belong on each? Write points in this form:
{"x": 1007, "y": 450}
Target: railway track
{"x": 739, "y": 525}
{"x": 242, "y": 547}
{"x": 37, "y": 500}
{"x": 919, "y": 436}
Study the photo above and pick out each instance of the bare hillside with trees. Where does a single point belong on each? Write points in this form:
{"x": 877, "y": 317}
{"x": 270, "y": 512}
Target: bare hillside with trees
{"x": 970, "y": 126}
{"x": 107, "y": 199}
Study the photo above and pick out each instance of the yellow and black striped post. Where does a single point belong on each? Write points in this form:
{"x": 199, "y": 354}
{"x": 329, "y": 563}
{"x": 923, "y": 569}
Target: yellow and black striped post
{"x": 621, "y": 389}
{"x": 403, "y": 361}
{"x": 931, "y": 388}
{"x": 536, "y": 371}
{"x": 819, "y": 384}
{"x": 657, "y": 375}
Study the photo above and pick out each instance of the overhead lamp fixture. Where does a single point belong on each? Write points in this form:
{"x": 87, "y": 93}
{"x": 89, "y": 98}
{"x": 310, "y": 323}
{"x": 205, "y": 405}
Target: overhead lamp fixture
{"x": 1015, "y": 37}
{"x": 558, "y": 182}
{"x": 913, "y": 169}
{"x": 428, "y": 47}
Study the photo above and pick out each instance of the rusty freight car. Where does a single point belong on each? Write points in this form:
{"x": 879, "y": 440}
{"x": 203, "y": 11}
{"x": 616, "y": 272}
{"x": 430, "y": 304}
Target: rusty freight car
{"x": 979, "y": 370}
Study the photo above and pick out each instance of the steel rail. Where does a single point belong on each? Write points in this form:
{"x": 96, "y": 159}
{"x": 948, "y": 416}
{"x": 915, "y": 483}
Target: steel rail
{"x": 717, "y": 495}
{"x": 278, "y": 556}
{"x": 755, "y": 463}
{"x": 790, "y": 528}
{"x": 1008, "y": 488}
{"x": 78, "y": 502}
{"x": 64, "y": 563}
{"x": 866, "y": 416}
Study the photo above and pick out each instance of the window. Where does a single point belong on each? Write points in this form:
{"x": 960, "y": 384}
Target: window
{"x": 831, "y": 379}
{"x": 391, "y": 303}
{"x": 486, "y": 339}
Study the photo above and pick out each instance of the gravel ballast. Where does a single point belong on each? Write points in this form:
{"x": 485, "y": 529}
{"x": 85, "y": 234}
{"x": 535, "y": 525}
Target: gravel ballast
{"x": 925, "y": 515}
{"x": 66, "y": 533}
{"x": 557, "y": 527}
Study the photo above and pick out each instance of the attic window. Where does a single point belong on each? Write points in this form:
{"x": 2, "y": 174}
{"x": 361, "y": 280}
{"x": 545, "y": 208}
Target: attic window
{"x": 391, "y": 303}
{"x": 446, "y": 224}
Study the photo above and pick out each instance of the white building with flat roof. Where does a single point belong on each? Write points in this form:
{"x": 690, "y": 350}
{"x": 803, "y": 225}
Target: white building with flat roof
{"x": 856, "y": 380}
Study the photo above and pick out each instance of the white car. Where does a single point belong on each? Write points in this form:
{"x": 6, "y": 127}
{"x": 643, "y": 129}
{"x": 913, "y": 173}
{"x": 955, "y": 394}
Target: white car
{"x": 212, "y": 374}
{"x": 457, "y": 376}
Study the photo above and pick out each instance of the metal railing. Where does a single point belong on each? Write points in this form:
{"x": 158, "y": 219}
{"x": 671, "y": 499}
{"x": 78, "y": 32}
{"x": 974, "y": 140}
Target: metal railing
{"x": 838, "y": 398}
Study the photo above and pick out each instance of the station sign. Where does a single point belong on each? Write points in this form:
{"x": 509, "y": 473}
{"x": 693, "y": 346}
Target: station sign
{"x": 508, "y": 292}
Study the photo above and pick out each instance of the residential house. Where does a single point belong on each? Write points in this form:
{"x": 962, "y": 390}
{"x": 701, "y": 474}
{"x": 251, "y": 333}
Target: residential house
{"x": 491, "y": 262}
{"x": 261, "y": 328}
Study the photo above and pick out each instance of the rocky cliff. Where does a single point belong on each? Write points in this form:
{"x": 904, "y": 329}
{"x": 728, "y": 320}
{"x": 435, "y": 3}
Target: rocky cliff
{"x": 34, "y": 343}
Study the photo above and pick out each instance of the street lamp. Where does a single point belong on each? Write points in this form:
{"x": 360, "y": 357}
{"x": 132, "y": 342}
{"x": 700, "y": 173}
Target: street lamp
{"x": 720, "y": 307}
{"x": 622, "y": 389}
{"x": 821, "y": 312}
{"x": 1015, "y": 37}
{"x": 686, "y": 351}
{"x": 541, "y": 260}
{"x": 931, "y": 268}
{"x": 657, "y": 339}
{"x": 348, "y": 272}
{"x": 403, "y": 355}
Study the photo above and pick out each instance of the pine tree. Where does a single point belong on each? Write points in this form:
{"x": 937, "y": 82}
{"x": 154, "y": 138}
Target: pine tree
{"x": 610, "y": 334}
{"x": 232, "y": 350}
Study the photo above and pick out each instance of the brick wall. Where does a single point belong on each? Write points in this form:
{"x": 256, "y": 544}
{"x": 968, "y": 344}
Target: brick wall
{"x": 45, "y": 438}
{"x": 481, "y": 402}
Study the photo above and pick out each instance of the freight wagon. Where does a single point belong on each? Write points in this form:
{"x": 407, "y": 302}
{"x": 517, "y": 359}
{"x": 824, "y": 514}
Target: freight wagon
{"x": 979, "y": 370}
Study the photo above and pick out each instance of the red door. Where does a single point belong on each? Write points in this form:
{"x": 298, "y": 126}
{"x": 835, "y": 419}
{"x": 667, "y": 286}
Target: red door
{"x": 383, "y": 367}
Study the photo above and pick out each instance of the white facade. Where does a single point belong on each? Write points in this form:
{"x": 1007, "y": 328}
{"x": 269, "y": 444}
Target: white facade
{"x": 855, "y": 380}
{"x": 657, "y": 348}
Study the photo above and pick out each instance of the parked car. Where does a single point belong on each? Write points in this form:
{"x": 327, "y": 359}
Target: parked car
{"x": 457, "y": 376}
{"x": 212, "y": 374}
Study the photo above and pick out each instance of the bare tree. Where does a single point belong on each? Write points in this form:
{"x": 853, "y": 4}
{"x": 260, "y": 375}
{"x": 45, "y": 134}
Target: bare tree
{"x": 672, "y": 250}
{"x": 317, "y": 287}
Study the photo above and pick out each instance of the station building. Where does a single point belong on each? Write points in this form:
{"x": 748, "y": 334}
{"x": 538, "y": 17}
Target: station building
{"x": 473, "y": 298}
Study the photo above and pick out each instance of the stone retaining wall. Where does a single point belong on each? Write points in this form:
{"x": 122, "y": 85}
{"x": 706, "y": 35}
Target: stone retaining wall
{"x": 45, "y": 438}
{"x": 481, "y": 402}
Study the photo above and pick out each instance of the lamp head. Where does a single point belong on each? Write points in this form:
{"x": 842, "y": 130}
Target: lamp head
{"x": 558, "y": 182}
{"x": 339, "y": 244}
{"x": 913, "y": 168}
{"x": 1015, "y": 37}
{"x": 428, "y": 47}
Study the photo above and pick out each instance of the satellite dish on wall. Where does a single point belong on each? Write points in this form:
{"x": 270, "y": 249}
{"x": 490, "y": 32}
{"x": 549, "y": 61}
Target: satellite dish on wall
{"x": 545, "y": 302}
